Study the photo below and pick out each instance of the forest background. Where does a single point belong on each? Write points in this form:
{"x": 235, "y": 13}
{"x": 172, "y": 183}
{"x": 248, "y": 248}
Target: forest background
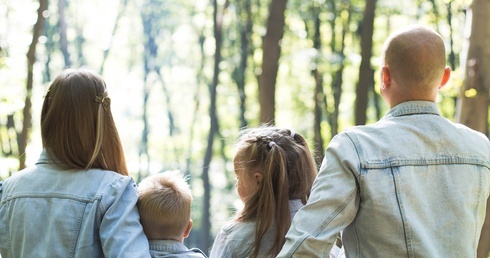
{"x": 185, "y": 76}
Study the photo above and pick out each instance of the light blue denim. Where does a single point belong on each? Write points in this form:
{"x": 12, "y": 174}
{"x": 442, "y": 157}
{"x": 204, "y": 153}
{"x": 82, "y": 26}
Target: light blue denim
{"x": 173, "y": 249}
{"x": 236, "y": 238}
{"x": 413, "y": 184}
{"x": 50, "y": 211}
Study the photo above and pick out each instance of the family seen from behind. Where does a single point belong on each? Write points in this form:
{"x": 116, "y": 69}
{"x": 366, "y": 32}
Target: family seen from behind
{"x": 413, "y": 184}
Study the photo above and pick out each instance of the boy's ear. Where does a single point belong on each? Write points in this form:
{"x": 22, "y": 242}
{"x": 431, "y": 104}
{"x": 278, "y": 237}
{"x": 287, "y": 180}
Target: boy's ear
{"x": 258, "y": 177}
{"x": 188, "y": 229}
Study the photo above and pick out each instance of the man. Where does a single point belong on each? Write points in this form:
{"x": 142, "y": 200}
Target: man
{"x": 413, "y": 184}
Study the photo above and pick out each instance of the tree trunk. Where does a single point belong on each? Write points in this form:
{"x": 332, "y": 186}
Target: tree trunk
{"x": 23, "y": 137}
{"x": 473, "y": 102}
{"x": 270, "y": 60}
{"x": 319, "y": 94}
{"x": 337, "y": 68}
{"x": 62, "y": 29}
{"x": 245, "y": 28}
{"x": 213, "y": 128}
{"x": 366, "y": 72}
{"x": 114, "y": 29}
{"x": 149, "y": 19}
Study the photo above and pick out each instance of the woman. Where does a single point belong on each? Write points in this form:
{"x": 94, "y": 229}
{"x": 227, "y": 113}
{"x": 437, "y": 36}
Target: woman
{"x": 77, "y": 200}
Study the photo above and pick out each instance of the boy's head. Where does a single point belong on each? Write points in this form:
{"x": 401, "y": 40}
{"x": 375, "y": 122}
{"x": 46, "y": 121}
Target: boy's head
{"x": 164, "y": 204}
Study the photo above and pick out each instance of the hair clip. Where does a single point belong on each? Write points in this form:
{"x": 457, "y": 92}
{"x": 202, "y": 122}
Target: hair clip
{"x": 292, "y": 133}
{"x": 271, "y": 143}
{"x": 104, "y": 100}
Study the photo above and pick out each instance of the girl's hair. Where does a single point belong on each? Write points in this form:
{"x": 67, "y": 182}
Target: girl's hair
{"x": 164, "y": 205}
{"x": 77, "y": 126}
{"x": 288, "y": 170}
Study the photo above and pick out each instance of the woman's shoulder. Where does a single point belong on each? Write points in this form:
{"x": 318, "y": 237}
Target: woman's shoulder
{"x": 238, "y": 228}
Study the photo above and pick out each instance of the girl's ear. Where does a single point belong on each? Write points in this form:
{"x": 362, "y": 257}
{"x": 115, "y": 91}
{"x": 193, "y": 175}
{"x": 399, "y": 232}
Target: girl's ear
{"x": 258, "y": 177}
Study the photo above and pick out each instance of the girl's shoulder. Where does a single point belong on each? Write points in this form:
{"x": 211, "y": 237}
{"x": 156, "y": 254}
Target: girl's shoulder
{"x": 239, "y": 228}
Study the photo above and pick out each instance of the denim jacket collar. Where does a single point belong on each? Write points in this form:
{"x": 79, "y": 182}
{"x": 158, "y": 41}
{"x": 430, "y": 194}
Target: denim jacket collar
{"x": 412, "y": 108}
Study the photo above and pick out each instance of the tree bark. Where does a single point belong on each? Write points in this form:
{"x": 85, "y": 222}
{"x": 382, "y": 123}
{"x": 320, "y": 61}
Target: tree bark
{"x": 366, "y": 72}
{"x": 319, "y": 94}
{"x": 245, "y": 28}
{"x": 23, "y": 137}
{"x": 122, "y": 8}
{"x": 62, "y": 30}
{"x": 270, "y": 60}
{"x": 213, "y": 128}
{"x": 473, "y": 102}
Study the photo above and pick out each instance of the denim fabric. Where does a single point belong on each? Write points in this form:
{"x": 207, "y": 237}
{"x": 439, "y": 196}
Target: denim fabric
{"x": 411, "y": 185}
{"x": 49, "y": 211}
{"x": 173, "y": 249}
{"x": 236, "y": 238}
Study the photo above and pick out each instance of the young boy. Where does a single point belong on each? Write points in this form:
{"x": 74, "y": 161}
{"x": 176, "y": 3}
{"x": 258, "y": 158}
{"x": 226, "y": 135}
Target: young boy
{"x": 164, "y": 204}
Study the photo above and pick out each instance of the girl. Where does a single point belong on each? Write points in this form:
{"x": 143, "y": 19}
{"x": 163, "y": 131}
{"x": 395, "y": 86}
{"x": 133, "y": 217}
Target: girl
{"x": 77, "y": 200}
{"x": 275, "y": 171}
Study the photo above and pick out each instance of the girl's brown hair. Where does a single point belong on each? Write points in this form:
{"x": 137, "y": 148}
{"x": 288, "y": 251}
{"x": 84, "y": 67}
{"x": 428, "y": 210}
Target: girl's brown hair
{"x": 77, "y": 126}
{"x": 288, "y": 170}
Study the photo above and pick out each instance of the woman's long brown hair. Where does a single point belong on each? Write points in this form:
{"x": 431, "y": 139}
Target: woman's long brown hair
{"x": 288, "y": 170}
{"x": 77, "y": 126}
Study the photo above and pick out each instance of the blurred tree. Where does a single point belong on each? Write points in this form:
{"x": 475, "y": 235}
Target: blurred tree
{"x": 271, "y": 51}
{"x": 245, "y": 25}
{"x": 338, "y": 63}
{"x": 366, "y": 72}
{"x": 474, "y": 99}
{"x": 319, "y": 99}
{"x": 218, "y": 12}
{"x": 120, "y": 13}
{"x": 23, "y": 137}
{"x": 62, "y": 30}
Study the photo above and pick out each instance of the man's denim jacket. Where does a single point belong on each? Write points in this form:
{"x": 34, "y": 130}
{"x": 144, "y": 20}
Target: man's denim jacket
{"x": 49, "y": 211}
{"x": 411, "y": 185}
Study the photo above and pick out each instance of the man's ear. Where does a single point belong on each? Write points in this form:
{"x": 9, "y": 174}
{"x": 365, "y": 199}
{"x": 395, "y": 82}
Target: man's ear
{"x": 385, "y": 77}
{"x": 188, "y": 229}
{"x": 445, "y": 77}
{"x": 258, "y": 177}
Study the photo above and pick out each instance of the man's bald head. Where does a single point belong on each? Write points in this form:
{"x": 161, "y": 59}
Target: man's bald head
{"x": 416, "y": 58}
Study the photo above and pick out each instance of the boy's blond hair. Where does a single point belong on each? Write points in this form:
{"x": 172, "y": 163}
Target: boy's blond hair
{"x": 164, "y": 204}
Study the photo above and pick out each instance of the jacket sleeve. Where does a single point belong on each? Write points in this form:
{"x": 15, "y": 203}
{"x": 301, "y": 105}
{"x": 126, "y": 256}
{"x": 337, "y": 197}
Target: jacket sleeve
{"x": 332, "y": 205}
{"x": 221, "y": 247}
{"x": 121, "y": 233}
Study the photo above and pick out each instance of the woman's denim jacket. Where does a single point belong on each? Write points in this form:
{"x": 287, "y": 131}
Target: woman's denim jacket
{"x": 49, "y": 211}
{"x": 411, "y": 185}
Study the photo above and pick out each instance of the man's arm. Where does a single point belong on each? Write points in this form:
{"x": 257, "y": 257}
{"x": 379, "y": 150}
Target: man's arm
{"x": 332, "y": 206}
{"x": 484, "y": 244}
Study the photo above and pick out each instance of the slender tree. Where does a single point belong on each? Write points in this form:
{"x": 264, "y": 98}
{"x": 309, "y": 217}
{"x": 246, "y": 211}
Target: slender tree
{"x": 62, "y": 30}
{"x": 271, "y": 51}
{"x": 214, "y": 124}
{"x": 23, "y": 137}
{"x": 120, "y": 13}
{"x": 245, "y": 29}
{"x": 337, "y": 70}
{"x": 474, "y": 99}
{"x": 366, "y": 72}
{"x": 319, "y": 94}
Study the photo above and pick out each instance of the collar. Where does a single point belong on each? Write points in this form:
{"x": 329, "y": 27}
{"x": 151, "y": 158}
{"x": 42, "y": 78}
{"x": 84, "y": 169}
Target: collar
{"x": 167, "y": 245}
{"x": 413, "y": 108}
{"x": 47, "y": 158}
